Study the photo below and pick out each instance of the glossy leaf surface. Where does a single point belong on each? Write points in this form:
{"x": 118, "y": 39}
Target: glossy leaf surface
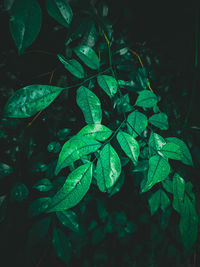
{"x": 136, "y": 123}
{"x": 73, "y": 66}
{"x": 156, "y": 142}
{"x": 159, "y": 169}
{"x": 88, "y": 56}
{"x": 25, "y": 23}
{"x": 159, "y": 120}
{"x": 89, "y": 104}
{"x": 172, "y": 151}
{"x": 61, "y": 245}
{"x": 69, "y": 219}
{"x": 27, "y": 101}
{"x": 186, "y": 156}
{"x": 74, "y": 189}
{"x": 74, "y": 149}
{"x": 60, "y": 11}
{"x": 108, "y": 168}
{"x": 146, "y": 99}
{"x": 38, "y": 206}
{"x": 108, "y": 84}
{"x": 129, "y": 145}
{"x": 117, "y": 186}
{"x": 96, "y": 131}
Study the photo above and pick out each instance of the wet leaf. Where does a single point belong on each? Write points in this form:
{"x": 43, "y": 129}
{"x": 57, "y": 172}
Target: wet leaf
{"x": 146, "y": 99}
{"x": 96, "y": 131}
{"x": 172, "y": 151}
{"x": 136, "y": 123}
{"x": 178, "y": 192}
{"x": 38, "y": 206}
{"x": 108, "y": 84}
{"x": 43, "y": 185}
{"x": 159, "y": 120}
{"x": 27, "y": 101}
{"x": 69, "y": 219}
{"x": 88, "y": 56}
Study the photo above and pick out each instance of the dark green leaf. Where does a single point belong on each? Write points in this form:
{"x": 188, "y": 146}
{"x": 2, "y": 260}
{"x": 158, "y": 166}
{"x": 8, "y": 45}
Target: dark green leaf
{"x": 88, "y": 56}
{"x": 74, "y": 189}
{"x": 61, "y": 245}
{"x": 60, "y": 11}
{"x": 54, "y": 147}
{"x": 69, "y": 219}
{"x": 129, "y": 145}
{"x": 25, "y": 23}
{"x": 73, "y": 66}
{"x": 38, "y": 206}
{"x": 75, "y": 149}
{"x": 188, "y": 223}
{"x": 186, "y": 156}
{"x": 156, "y": 142}
{"x": 108, "y": 84}
{"x": 108, "y": 168}
{"x": 43, "y": 185}
{"x": 159, "y": 169}
{"x": 90, "y": 105}
{"x": 117, "y": 186}
{"x": 172, "y": 151}
{"x": 27, "y": 101}
{"x": 136, "y": 123}
{"x": 141, "y": 166}
{"x": 63, "y": 134}
{"x": 168, "y": 185}
{"x": 123, "y": 104}
{"x": 19, "y": 192}
{"x": 96, "y": 131}
{"x": 38, "y": 231}
{"x": 178, "y": 192}
{"x": 146, "y": 99}
{"x": 158, "y": 199}
{"x": 5, "y": 170}
{"x": 159, "y": 120}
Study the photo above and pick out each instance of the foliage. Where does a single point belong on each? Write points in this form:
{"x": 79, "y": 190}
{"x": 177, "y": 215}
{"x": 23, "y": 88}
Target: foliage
{"x": 120, "y": 132}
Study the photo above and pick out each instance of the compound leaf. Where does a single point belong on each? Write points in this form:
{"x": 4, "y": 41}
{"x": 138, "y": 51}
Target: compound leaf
{"x": 159, "y": 120}
{"x": 108, "y": 168}
{"x": 186, "y": 156}
{"x": 146, "y": 99}
{"x": 27, "y": 101}
{"x": 88, "y": 56}
{"x": 159, "y": 169}
{"x": 69, "y": 219}
{"x": 73, "y": 66}
{"x": 75, "y": 149}
{"x": 25, "y": 23}
{"x": 129, "y": 145}
{"x": 90, "y": 105}
{"x": 61, "y": 245}
{"x": 74, "y": 189}
{"x": 60, "y": 11}
{"x": 96, "y": 131}
{"x": 136, "y": 123}
{"x": 108, "y": 84}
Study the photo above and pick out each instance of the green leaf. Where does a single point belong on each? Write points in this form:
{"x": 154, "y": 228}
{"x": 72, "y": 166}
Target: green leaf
{"x": 141, "y": 77}
{"x": 159, "y": 169}
{"x": 74, "y": 189}
{"x": 178, "y": 192}
{"x": 172, "y": 151}
{"x": 38, "y": 231}
{"x": 61, "y": 245}
{"x": 73, "y": 66}
{"x": 141, "y": 166}
{"x": 108, "y": 168}
{"x": 19, "y": 192}
{"x": 136, "y": 123}
{"x": 89, "y": 104}
{"x": 168, "y": 185}
{"x": 69, "y": 219}
{"x": 123, "y": 104}
{"x": 158, "y": 199}
{"x": 27, "y": 101}
{"x": 5, "y": 170}
{"x": 88, "y": 56}
{"x": 54, "y": 147}
{"x": 146, "y": 99}
{"x": 129, "y": 145}
{"x": 96, "y": 131}
{"x": 159, "y": 120}
{"x": 117, "y": 186}
{"x": 43, "y": 185}
{"x": 75, "y": 149}
{"x": 60, "y": 11}
{"x": 188, "y": 223}
{"x": 156, "y": 142}
{"x": 186, "y": 156}
{"x": 108, "y": 84}
{"x": 25, "y": 23}
{"x": 62, "y": 134}
{"x": 38, "y": 206}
